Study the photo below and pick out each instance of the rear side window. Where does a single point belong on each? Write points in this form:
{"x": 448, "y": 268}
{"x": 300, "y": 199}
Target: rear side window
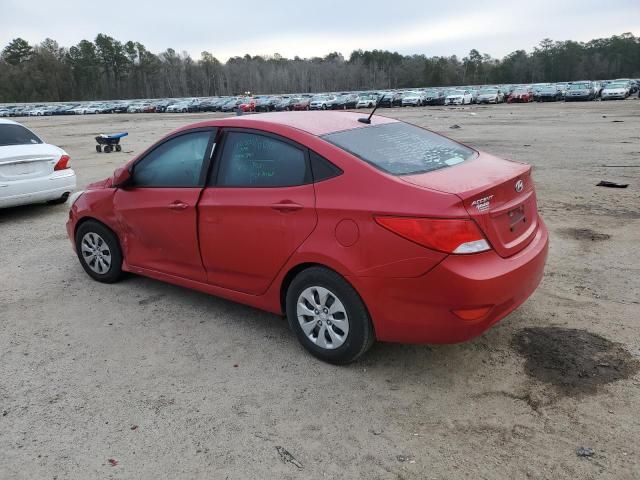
{"x": 254, "y": 160}
{"x": 11, "y": 134}
{"x": 322, "y": 168}
{"x": 400, "y": 148}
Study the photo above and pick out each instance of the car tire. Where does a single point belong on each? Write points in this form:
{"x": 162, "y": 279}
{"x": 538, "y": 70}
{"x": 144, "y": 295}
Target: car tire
{"x": 91, "y": 238}
{"x": 98, "y": 149}
{"x": 60, "y": 200}
{"x": 340, "y": 337}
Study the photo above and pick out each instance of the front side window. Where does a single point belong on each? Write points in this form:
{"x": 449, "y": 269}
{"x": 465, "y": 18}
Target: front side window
{"x": 400, "y": 148}
{"x": 254, "y": 160}
{"x": 13, "y": 134}
{"x": 175, "y": 163}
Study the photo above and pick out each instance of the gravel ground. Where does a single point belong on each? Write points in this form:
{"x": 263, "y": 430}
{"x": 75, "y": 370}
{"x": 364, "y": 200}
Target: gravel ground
{"x": 142, "y": 379}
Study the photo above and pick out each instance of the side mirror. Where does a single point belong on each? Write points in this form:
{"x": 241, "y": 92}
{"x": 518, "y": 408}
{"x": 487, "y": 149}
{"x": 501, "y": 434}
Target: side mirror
{"x": 121, "y": 177}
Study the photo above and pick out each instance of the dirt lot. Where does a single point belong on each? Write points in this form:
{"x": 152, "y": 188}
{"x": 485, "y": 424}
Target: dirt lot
{"x": 145, "y": 380}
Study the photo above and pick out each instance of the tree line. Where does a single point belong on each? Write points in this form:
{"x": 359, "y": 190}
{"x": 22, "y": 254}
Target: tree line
{"x": 109, "y": 69}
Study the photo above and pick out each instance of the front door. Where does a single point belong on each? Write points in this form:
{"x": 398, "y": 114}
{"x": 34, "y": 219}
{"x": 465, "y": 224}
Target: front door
{"x": 158, "y": 211}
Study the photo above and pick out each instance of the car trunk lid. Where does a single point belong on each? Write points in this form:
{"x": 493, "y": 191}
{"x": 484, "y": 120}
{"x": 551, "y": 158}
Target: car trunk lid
{"x": 498, "y": 194}
{"x": 21, "y": 162}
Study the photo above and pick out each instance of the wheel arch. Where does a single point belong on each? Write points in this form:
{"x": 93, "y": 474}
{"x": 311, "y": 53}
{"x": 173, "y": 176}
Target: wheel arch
{"x": 297, "y": 269}
{"x": 86, "y": 219}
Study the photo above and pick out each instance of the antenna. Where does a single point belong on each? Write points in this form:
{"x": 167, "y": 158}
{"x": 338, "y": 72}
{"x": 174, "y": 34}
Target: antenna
{"x": 368, "y": 119}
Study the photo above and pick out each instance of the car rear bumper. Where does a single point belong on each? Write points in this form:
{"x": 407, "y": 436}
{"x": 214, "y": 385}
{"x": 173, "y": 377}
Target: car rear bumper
{"x": 36, "y": 190}
{"x": 420, "y": 309}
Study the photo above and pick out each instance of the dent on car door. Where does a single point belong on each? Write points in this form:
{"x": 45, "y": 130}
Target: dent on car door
{"x": 257, "y": 211}
{"x": 157, "y": 211}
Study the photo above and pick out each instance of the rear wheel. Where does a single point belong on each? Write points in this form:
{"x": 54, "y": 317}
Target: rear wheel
{"x": 328, "y": 316}
{"x": 99, "y": 252}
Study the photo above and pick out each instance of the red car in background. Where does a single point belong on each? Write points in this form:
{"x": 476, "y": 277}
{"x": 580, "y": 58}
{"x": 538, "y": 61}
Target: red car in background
{"x": 301, "y": 104}
{"x": 520, "y": 95}
{"x": 247, "y": 105}
{"x": 356, "y": 232}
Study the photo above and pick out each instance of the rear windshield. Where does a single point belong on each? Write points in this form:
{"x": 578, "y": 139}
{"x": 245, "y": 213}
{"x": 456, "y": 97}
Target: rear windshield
{"x": 401, "y": 148}
{"x": 16, "y": 135}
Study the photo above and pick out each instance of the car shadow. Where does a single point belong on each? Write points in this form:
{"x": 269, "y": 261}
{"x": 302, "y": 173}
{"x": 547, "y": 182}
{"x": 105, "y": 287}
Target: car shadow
{"x": 382, "y": 358}
{"x": 30, "y": 212}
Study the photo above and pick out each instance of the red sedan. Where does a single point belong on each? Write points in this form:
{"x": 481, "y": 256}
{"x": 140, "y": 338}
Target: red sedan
{"x": 356, "y": 232}
{"x": 522, "y": 95}
{"x": 301, "y": 104}
{"x": 248, "y": 105}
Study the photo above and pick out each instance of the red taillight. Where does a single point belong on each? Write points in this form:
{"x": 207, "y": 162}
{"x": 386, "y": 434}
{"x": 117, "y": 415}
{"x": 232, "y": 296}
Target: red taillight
{"x": 446, "y": 235}
{"x": 63, "y": 163}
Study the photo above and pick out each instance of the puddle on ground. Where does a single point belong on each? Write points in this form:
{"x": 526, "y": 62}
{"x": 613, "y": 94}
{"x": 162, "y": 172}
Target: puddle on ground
{"x": 584, "y": 234}
{"x": 574, "y": 361}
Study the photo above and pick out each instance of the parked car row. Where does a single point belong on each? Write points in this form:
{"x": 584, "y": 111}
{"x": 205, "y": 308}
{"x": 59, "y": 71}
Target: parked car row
{"x": 584, "y": 90}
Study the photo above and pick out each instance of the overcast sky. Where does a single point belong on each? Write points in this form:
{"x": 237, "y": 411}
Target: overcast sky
{"x": 299, "y": 27}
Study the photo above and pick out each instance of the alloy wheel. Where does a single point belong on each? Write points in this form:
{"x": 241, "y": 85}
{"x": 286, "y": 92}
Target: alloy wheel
{"x": 96, "y": 253}
{"x": 322, "y": 317}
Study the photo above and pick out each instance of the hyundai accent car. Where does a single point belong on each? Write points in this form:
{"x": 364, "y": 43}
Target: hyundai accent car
{"x": 355, "y": 231}
{"x": 32, "y": 171}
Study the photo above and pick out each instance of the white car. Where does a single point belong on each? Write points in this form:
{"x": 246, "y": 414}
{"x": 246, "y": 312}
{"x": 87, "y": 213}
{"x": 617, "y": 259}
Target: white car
{"x": 490, "y": 95}
{"x": 615, "y": 90}
{"x": 413, "y": 99}
{"x": 79, "y": 110}
{"x": 31, "y": 171}
{"x": 321, "y": 102}
{"x": 366, "y": 101}
{"x": 458, "y": 97}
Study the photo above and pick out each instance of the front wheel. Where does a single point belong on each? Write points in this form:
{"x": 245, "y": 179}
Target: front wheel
{"x": 99, "y": 252}
{"x": 328, "y": 316}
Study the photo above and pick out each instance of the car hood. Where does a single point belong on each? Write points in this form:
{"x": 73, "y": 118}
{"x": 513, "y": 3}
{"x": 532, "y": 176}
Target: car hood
{"x": 614, "y": 90}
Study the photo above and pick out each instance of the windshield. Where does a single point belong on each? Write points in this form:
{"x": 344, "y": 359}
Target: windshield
{"x": 549, "y": 89}
{"x": 11, "y": 134}
{"x": 617, "y": 85}
{"x": 578, "y": 86}
{"x": 400, "y": 148}
{"x": 488, "y": 92}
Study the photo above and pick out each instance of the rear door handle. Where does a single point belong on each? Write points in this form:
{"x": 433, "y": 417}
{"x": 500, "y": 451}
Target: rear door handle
{"x": 287, "y": 206}
{"x": 178, "y": 205}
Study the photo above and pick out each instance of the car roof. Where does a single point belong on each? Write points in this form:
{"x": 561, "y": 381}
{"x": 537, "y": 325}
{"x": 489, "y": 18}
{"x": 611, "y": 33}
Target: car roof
{"x": 315, "y": 123}
{"x": 11, "y": 122}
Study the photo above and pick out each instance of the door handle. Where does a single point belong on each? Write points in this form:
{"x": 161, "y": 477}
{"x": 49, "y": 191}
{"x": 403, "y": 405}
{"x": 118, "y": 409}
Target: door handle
{"x": 178, "y": 205}
{"x": 287, "y": 206}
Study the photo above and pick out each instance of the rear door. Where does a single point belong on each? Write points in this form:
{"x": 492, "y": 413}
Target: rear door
{"x": 157, "y": 212}
{"x": 257, "y": 210}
